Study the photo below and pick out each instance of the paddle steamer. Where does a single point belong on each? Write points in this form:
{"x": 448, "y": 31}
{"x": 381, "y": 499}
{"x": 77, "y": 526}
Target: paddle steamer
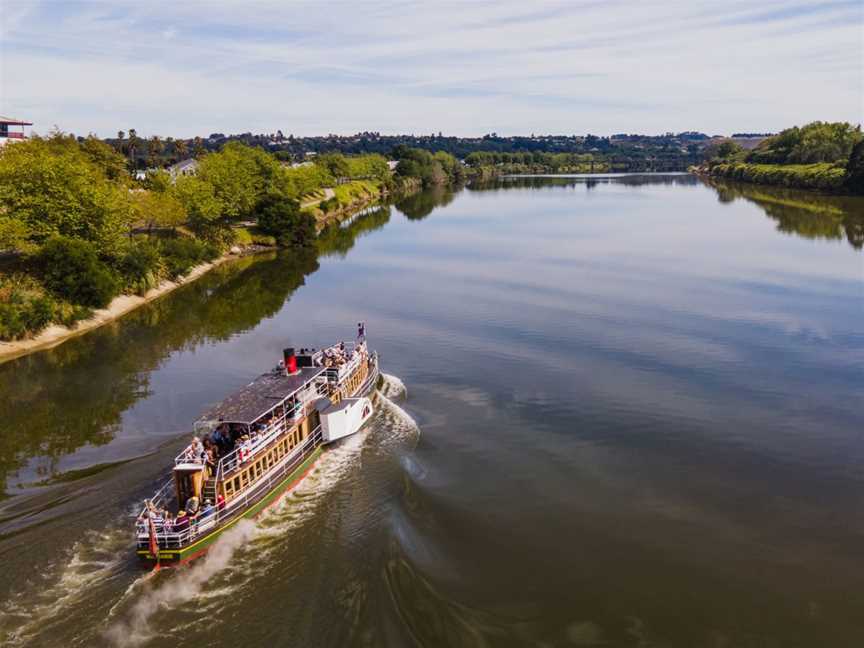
{"x": 270, "y": 434}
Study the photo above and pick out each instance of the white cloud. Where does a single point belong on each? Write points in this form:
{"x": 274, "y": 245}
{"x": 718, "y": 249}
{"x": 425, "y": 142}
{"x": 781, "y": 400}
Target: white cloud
{"x": 463, "y": 68}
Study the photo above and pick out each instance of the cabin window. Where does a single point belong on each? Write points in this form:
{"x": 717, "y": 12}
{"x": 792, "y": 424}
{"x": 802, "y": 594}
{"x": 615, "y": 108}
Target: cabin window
{"x": 257, "y": 469}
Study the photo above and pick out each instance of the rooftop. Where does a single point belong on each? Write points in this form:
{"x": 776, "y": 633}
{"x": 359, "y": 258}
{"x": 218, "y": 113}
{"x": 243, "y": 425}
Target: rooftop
{"x": 11, "y": 121}
{"x": 260, "y": 396}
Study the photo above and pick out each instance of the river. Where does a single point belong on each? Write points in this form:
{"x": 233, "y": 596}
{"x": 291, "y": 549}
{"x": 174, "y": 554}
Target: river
{"x": 619, "y": 411}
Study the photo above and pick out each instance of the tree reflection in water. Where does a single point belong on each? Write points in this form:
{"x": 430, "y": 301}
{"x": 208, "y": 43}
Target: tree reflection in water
{"x": 56, "y": 401}
{"x": 806, "y": 214}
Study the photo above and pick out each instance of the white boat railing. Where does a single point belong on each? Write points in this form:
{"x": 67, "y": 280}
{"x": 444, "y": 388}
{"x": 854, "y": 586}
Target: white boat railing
{"x": 178, "y": 538}
{"x": 169, "y": 538}
{"x": 276, "y": 425}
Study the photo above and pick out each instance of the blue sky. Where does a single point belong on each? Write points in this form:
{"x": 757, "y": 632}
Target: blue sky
{"x": 185, "y": 68}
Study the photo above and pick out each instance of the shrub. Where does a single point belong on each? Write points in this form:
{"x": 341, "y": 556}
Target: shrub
{"x": 242, "y": 236}
{"x": 281, "y": 218}
{"x": 182, "y": 254}
{"x": 823, "y": 176}
{"x": 71, "y": 269}
{"x": 25, "y": 306}
{"x": 141, "y": 266}
{"x": 329, "y": 205}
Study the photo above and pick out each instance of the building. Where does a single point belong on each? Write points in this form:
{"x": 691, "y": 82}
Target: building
{"x": 184, "y": 168}
{"x": 12, "y": 130}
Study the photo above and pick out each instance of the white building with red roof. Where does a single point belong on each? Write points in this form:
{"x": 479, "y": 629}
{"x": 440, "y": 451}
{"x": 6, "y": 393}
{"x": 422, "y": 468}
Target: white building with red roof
{"x": 12, "y": 130}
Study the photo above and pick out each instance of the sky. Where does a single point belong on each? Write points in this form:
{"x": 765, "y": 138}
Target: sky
{"x": 183, "y": 68}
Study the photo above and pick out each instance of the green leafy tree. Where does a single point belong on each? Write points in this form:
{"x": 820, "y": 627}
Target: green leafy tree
{"x": 240, "y": 176}
{"x": 55, "y": 188}
{"x": 14, "y": 235}
{"x": 335, "y": 164}
{"x": 155, "y": 147}
{"x": 855, "y": 169}
{"x": 157, "y": 209}
{"x": 132, "y": 146}
{"x": 722, "y": 150}
{"x": 203, "y": 208}
{"x": 105, "y": 157}
{"x": 71, "y": 269}
{"x": 809, "y": 144}
{"x": 281, "y": 217}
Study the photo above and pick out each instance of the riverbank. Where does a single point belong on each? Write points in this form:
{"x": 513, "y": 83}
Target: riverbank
{"x": 56, "y": 334}
{"x": 822, "y": 176}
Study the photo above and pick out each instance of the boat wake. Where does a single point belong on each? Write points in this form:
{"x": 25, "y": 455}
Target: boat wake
{"x": 393, "y": 387}
{"x": 95, "y": 560}
{"x": 235, "y": 559}
{"x": 392, "y": 416}
{"x": 100, "y": 561}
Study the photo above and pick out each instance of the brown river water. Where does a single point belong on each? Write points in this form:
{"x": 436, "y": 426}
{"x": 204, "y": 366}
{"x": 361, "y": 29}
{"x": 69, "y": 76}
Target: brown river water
{"x": 618, "y": 411}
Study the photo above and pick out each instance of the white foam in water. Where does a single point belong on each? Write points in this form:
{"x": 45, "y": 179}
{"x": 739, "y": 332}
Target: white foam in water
{"x": 401, "y": 421}
{"x": 259, "y": 537}
{"x": 94, "y": 560}
{"x": 217, "y": 575}
{"x": 393, "y": 387}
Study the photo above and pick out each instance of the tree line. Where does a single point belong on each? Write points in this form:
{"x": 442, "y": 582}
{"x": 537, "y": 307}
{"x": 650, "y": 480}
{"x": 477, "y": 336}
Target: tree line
{"x": 77, "y": 228}
{"x": 819, "y": 155}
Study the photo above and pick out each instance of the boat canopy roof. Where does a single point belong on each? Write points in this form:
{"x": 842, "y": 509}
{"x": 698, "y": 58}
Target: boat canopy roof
{"x": 260, "y": 396}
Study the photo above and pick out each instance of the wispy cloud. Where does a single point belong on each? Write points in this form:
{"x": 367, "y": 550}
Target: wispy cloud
{"x": 465, "y": 68}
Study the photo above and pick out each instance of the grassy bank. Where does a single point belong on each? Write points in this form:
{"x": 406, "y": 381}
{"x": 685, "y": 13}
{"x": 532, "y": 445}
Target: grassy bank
{"x": 821, "y": 156}
{"x": 78, "y": 232}
{"x": 822, "y": 176}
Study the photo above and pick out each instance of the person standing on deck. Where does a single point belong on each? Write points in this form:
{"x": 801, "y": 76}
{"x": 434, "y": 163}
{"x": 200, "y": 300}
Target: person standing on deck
{"x": 361, "y": 332}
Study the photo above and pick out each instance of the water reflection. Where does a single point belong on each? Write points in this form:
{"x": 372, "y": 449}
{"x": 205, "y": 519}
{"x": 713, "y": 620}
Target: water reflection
{"x": 587, "y": 181}
{"x": 56, "y": 401}
{"x": 419, "y": 205}
{"x": 338, "y": 238}
{"x": 809, "y": 215}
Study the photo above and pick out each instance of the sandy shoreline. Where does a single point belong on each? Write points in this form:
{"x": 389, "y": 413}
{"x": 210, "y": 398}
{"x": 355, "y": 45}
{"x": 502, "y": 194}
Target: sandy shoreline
{"x": 56, "y": 334}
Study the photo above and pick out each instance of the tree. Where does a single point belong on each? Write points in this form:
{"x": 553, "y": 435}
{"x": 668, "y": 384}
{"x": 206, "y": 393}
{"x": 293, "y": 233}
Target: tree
{"x": 55, "y": 188}
{"x": 241, "y": 175}
{"x": 132, "y": 147}
{"x": 281, "y": 217}
{"x": 154, "y": 151}
{"x": 811, "y": 143}
{"x": 14, "y": 234}
{"x": 182, "y": 149}
{"x": 204, "y": 210}
{"x": 335, "y": 164}
{"x": 106, "y": 158}
{"x": 71, "y": 269}
{"x": 154, "y": 209}
{"x": 724, "y": 149}
{"x": 198, "y": 147}
{"x": 855, "y": 169}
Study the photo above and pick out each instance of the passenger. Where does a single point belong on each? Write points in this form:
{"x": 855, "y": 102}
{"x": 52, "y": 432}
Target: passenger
{"x": 361, "y": 331}
{"x": 182, "y": 522}
{"x": 211, "y": 460}
{"x": 167, "y": 522}
{"x": 208, "y": 509}
{"x": 220, "y": 502}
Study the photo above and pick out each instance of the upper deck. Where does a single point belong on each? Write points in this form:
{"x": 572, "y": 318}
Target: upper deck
{"x": 264, "y": 396}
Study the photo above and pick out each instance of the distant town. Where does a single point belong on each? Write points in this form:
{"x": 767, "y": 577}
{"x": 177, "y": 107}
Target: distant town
{"x": 666, "y": 152}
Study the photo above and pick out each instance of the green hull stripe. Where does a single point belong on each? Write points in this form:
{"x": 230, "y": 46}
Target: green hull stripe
{"x": 181, "y": 554}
